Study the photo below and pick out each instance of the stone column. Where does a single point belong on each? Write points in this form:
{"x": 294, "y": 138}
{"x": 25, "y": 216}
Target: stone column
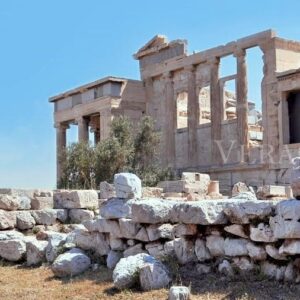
{"x": 170, "y": 120}
{"x": 83, "y": 130}
{"x": 193, "y": 116}
{"x": 105, "y": 123}
{"x": 61, "y": 142}
{"x": 215, "y": 111}
{"x": 242, "y": 104}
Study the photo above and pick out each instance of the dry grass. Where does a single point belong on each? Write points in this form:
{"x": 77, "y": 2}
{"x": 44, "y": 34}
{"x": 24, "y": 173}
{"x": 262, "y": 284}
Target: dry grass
{"x": 18, "y": 282}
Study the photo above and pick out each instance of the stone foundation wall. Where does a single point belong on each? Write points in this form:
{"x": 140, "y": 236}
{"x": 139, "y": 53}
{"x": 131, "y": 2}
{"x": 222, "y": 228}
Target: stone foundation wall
{"x": 28, "y": 210}
{"x": 228, "y": 235}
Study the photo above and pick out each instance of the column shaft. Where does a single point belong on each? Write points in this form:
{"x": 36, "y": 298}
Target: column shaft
{"x": 83, "y": 130}
{"x": 193, "y": 117}
{"x": 242, "y": 104}
{"x": 61, "y": 142}
{"x": 215, "y": 111}
{"x": 105, "y": 123}
{"x": 170, "y": 121}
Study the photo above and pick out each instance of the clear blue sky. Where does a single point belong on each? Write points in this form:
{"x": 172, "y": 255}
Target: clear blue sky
{"x": 51, "y": 46}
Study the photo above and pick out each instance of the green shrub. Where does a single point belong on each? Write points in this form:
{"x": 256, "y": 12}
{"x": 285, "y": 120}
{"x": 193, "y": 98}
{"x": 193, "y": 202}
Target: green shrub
{"x": 126, "y": 150}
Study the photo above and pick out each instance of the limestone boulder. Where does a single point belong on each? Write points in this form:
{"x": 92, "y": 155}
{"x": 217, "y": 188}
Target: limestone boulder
{"x": 243, "y": 212}
{"x": 107, "y": 190}
{"x": 104, "y": 226}
{"x": 126, "y": 272}
{"x": 49, "y": 216}
{"x": 152, "y": 192}
{"x": 35, "y": 252}
{"x": 77, "y": 216}
{"x": 215, "y": 245}
{"x": 113, "y": 258}
{"x": 248, "y": 196}
{"x": 285, "y": 224}
{"x": 169, "y": 248}
{"x": 154, "y": 276}
{"x": 92, "y": 241}
{"x": 76, "y": 199}
{"x": 290, "y": 247}
{"x": 156, "y": 249}
{"x": 256, "y": 252}
{"x": 179, "y": 293}
{"x": 71, "y": 263}
{"x": 39, "y": 203}
{"x": 241, "y": 187}
{"x": 55, "y": 247}
{"x": 10, "y": 202}
{"x": 262, "y": 233}
{"x": 235, "y": 247}
{"x": 116, "y": 244}
{"x": 202, "y": 251}
{"x": 184, "y": 230}
{"x": 209, "y": 212}
{"x": 273, "y": 252}
{"x": 25, "y": 220}
{"x": 237, "y": 230}
{"x": 134, "y": 250}
{"x": 13, "y": 249}
{"x": 152, "y": 211}
{"x": 116, "y": 208}
{"x": 8, "y": 219}
{"x": 10, "y": 235}
{"x": 128, "y": 228}
{"x": 128, "y": 186}
{"x": 142, "y": 235}
{"x": 163, "y": 231}
{"x": 272, "y": 192}
{"x": 184, "y": 250}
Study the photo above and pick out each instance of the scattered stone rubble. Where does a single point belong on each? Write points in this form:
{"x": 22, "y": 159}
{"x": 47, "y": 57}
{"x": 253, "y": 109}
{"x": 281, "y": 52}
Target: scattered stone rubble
{"x": 135, "y": 235}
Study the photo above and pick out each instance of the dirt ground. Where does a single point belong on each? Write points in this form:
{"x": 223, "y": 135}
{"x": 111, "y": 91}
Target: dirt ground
{"x": 18, "y": 282}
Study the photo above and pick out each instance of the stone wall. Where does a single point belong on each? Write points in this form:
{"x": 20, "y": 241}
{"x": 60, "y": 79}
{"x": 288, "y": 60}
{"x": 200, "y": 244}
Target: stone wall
{"x": 28, "y": 210}
{"x": 229, "y": 235}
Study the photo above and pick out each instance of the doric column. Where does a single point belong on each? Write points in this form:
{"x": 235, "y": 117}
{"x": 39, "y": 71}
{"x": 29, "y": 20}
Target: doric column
{"x": 83, "y": 129}
{"x": 170, "y": 120}
{"x": 242, "y": 104}
{"x": 105, "y": 123}
{"x": 61, "y": 142}
{"x": 193, "y": 116}
{"x": 215, "y": 111}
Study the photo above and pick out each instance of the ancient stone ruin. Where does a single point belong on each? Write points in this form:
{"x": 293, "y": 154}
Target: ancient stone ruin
{"x": 137, "y": 233}
{"x": 204, "y": 126}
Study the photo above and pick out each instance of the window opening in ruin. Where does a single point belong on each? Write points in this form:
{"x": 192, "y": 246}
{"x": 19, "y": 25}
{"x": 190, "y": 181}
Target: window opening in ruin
{"x": 294, "y": 120}
{"x": 204, "y": 105}
{"x": 254, "y": 78}
{"x": 229, "y": 99}
{"x": 182, "y": 110}
{"x": 227, "y": 66}
{"x": 72, "y": 134}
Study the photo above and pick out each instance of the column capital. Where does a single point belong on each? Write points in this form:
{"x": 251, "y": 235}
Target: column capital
{"x": 190, "y": 68}
{"x": 168, "y": 75}
{"x": 59, "y": 125}
{"x": 214, "y": 60}
{"x": 239, "y": 52}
